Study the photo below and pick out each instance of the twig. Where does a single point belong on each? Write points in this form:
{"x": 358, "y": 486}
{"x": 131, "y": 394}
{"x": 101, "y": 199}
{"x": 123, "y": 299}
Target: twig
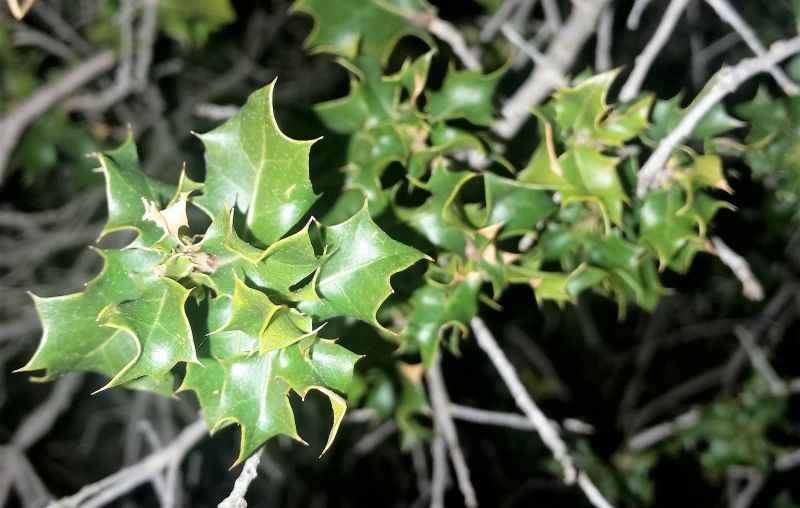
{"x": 788, "y": 461}
{"x": 552, "y": 16}
{"x": 544, "y": 427}
{"x": 759, "y": 361}
{"x": 445, "y": 31}
{"x": 651, "y": 50}
{"x": 240, "y": 486}
{"x": 755, "y": 481}
{"x": 751, "y": 287}
{"x": 26, "y": 36}
{"x": 635, "y": 15}
{"x": 14, "y": 124}
{"x": 126, "y": 479}
{"x": 374, "y": 438}
{"x": 443, "y": 425}
{"x": 724, "y": 82}
{"x": 39, "y": 421}
{"x": 563, "y": 50}
{"x": 439, "y": 471}
{"x": 729, "y": 15}
{"x": 648, "y": 437}
{"x": 557, "y": 77}
{"x": 605, "y": 34}
{"x": 491, "y": 27}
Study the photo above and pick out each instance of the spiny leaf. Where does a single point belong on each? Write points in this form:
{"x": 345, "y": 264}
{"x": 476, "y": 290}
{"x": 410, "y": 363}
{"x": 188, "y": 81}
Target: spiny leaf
{"x": 465, "y": 94}
{"x": 73, "y": 340}
{"x": 354, "y": 280}
{"x": 251, "y": 390}
{"x": 251, "y": 164}
{"x": 126, "y": 188}
{"x": 370, "y": 27}
{"x": 157, "y": 323}
{"x": 437, "y": 307}
{"x": 370, "y": 102}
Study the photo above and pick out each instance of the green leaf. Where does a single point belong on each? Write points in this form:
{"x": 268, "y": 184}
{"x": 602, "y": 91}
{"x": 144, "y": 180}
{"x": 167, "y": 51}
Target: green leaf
{"x": 126, "y": 187}
{"x": 437, "y": 308}
{"x": 158, "y": 325}
{"x": 579, "y": 108}
{"x": 429, "y": 220}
{"x": 251, "y": 389}
{"x": 517, "y": 205}
{"x": 370, "y": 102}
{"x": 251, "y": 164}
{"x": 192, "y": 21}
{"x": 666, "y": 225}
{"x": 354, "y": 279}
{"x": 667, "y": 114}
{"x": 465, "y": 94}
{"x": 370, "y": 27}
{"x": 277, "y": 269}
{"x": 73, "y": 340}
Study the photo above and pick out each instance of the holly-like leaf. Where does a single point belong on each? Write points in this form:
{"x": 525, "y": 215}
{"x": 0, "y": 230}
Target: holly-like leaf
{"x": 276, "y": 269}
{"x": 519, "y": 207}
{"x": 127, "y": 190}
{"x": 369, "y": 27}
{"x": 251, "y": 390}
{"x": 253, "y": 166}
{"x": 465, "y": 94}
{"x": 354, "y": 279}
{"x": 437, "y": 308}
{"x": 73, "y": 340}
{"x": 158, "y": 325}
{"x": 666, "y": 225}
{"x": 371, "y": 101}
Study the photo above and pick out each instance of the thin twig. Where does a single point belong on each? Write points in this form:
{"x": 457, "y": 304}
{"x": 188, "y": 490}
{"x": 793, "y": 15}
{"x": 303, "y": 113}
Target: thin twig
{"x": 562, "y": 52}
{"x": 605, "y": 34}
{"x": 445, "y": 31}
{"x": 657, "y": 433}
{"x": 646, "y": 58}
{"x": 759, "y": 361}
{"x": 729, "y": 15}
{"x": 439, "y": 471}
{"x": 751, "y": 287}
{"x": 635, "y": 14}
{"x": 14, "y": 124}
{"x": 38, "y": 422}
{"x": 127, "y": 479}
{"x": 544, "y": 427}
{"x": 557, "y": 77}
{"x": 443, "y": 425}
{"x": 724, "y": 82}
{"x": 242, "y": 483}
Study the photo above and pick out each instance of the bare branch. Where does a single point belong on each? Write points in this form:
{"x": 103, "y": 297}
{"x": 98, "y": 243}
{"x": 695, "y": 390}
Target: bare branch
{"x": 724, "y": 82}
{"x": 544, "y": 427}
{"x": 439, "y": 471}
{"x": 605, "y": 33}
{"x": 751, "y": 287}
{"x": 38, "y": 422}
{"x": 651, "y": 50}
{"x": 123, "y": 481}
{"x": 445, "y": 31}
{"x": 557, "y": 77}
{"x": 635, "y": 15}
{"x": 14, "y": 124}
{"x": 759, "y": 361}
{"x": 443, "y": 425}
{"x": 563, "y": 50}
{"x": 729, "y": 15}
{"x": 653, "y": 435}
{"x": 246, "y": 477}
